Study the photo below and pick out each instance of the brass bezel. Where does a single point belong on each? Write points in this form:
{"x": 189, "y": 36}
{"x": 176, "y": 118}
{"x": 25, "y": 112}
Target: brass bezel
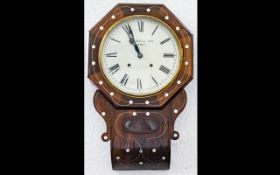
{"x": 144, "y": 95}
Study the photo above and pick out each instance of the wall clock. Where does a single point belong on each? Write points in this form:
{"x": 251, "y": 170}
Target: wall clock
{"x": 140, "y": 58}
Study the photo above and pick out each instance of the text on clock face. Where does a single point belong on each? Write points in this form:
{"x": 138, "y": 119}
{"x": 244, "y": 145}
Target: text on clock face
{"x": 140, "y": 55}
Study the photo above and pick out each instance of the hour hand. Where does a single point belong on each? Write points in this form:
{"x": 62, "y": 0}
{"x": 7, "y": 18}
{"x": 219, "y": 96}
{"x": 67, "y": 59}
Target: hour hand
{"x": 130, "y": 34}
{"x": 139, "y": 54}
{"x": 128, "y": 30}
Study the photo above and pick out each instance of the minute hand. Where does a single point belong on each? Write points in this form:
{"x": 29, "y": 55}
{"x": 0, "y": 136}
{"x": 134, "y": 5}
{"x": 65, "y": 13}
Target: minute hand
{"x": 137, "y": 49}
{"x": 132, "y": 40}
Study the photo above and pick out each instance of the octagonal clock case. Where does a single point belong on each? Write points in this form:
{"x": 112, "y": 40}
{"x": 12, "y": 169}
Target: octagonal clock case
{"x": 140, "y": 57}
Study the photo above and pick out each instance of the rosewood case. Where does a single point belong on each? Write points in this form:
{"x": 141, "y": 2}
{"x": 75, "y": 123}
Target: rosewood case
{"x": 140, "y": 129}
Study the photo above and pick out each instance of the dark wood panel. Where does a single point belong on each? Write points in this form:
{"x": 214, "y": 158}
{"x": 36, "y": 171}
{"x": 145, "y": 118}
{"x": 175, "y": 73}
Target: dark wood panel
{"x": 122, "y": 139}
{"x": 140, "y": 129}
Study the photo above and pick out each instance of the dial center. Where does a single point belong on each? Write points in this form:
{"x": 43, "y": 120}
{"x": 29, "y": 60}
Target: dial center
{"x": 140, "y": 55}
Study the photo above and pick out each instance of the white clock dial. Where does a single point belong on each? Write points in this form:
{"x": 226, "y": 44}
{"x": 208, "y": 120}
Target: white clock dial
{"x": 140, "y": 55}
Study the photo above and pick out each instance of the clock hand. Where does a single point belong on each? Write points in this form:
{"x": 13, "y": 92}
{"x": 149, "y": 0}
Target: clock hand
{"x": 128, "y": 30}
{"x": 132, "y": 41}
{"x": 139, "y": 54}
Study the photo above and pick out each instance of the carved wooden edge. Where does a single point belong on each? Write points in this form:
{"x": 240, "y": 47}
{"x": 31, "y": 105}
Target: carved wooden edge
{"x": 159, "y": 11}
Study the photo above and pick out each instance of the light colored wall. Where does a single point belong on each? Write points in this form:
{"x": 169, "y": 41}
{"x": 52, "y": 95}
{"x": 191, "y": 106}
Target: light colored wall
{"x": 184, "y": 150}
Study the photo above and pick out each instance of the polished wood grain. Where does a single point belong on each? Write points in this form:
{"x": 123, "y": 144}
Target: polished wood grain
{"x": 159, "y": 11}
{"x": 140, "y": 129}
{"x": 150, "y": 135}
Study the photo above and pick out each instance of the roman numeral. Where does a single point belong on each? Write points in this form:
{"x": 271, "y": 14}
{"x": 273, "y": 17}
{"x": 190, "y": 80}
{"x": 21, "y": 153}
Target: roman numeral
{"x": 114, "y": 68}
{"x": 114, "y": 39}
{"x": 114, "y": 54}
{"x": 126, "y": 28}
{"x": 164, "y": 41}
{"x": 155, "y": 30}
{"x": 139, "y": 84}
{"x": 154, "y": 80}
{"x": 168, "y": 55}
{"x": 164, "y": 69}
{"x": 141, "y": 26}
{"x": 124, "y": 80}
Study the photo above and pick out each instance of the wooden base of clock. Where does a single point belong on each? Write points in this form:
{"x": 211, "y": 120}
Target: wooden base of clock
{"x": 140, "y": 137}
